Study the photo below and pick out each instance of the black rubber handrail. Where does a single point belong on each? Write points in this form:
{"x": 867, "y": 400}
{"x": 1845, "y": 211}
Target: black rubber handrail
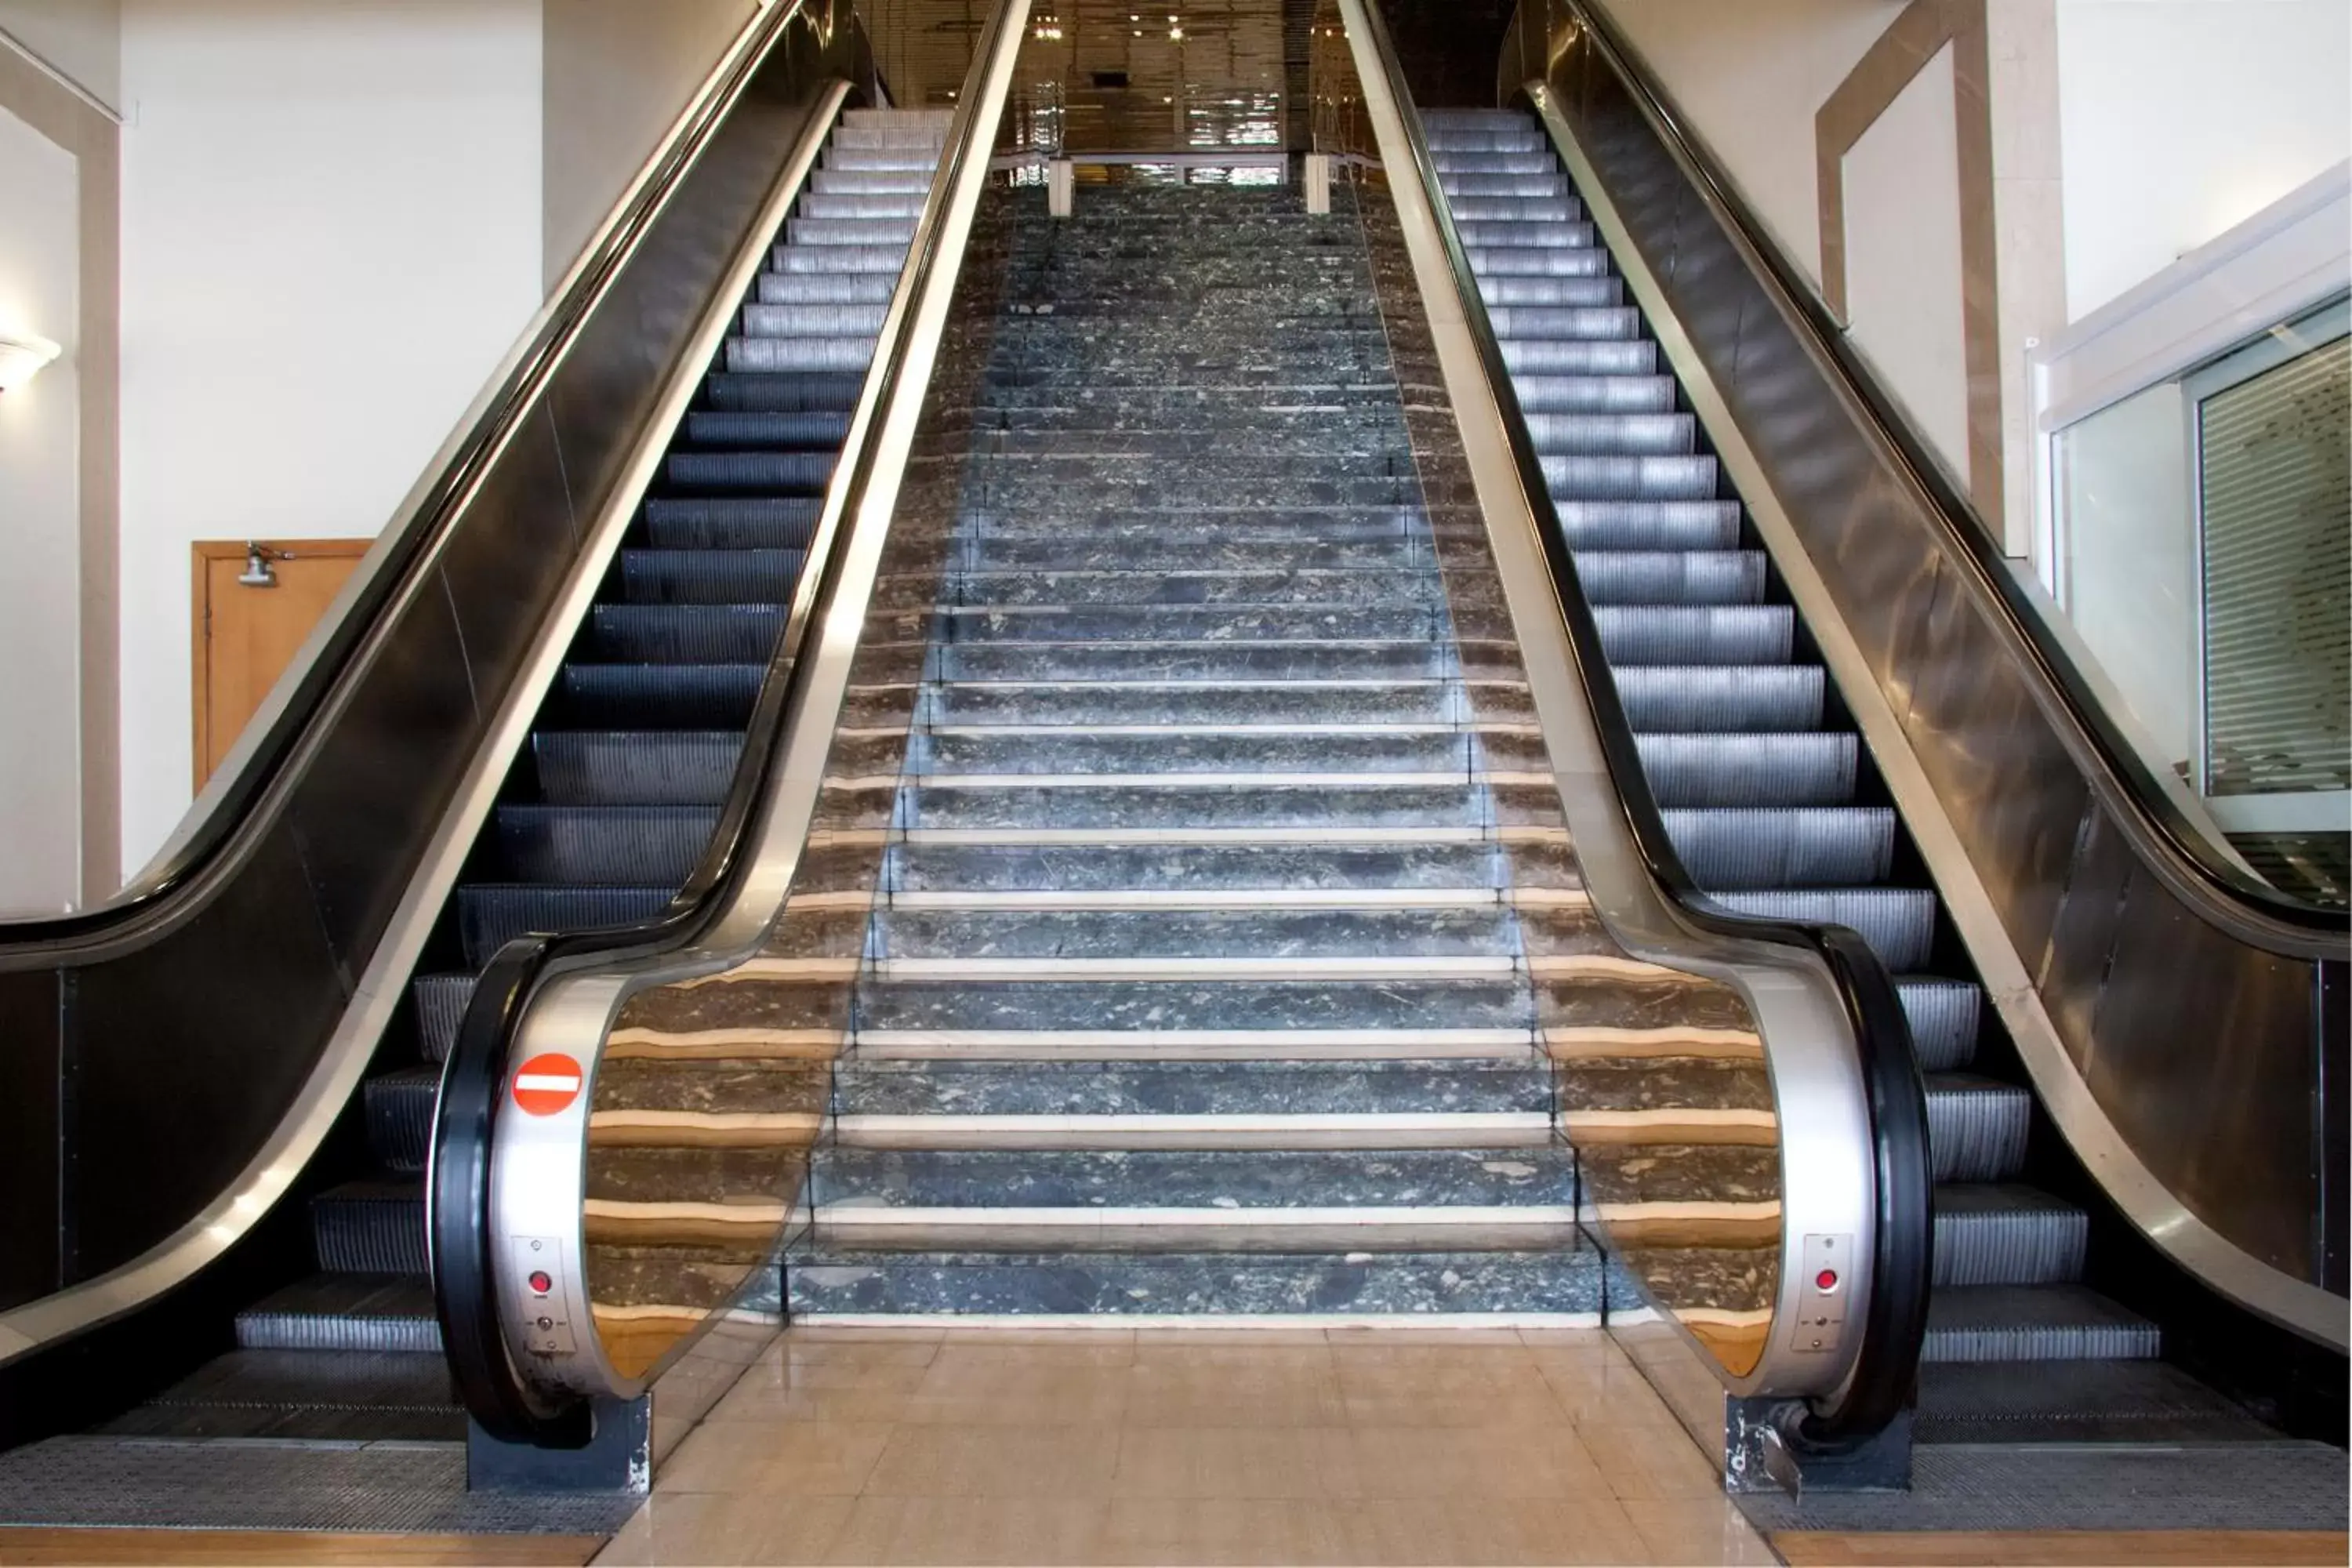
{"x": 2159, "y": 819}
{"x": 487, "y": 1381}
{"x": 217, "y": 836}
{"x": 1894, "y": 1323}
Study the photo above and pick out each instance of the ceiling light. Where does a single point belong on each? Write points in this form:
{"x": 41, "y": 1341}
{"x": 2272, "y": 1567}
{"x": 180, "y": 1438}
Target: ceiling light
{"x": 22, "y": 357}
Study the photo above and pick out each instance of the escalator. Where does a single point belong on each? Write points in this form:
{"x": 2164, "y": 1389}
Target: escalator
{"x": 1769, "y": 800}
{"x": 685, "y": 401}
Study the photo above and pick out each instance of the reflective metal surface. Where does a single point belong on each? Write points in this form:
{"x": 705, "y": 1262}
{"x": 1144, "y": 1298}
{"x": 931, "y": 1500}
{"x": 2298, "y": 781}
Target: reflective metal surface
{"x": 1721, "y": 1122}
{"x": 184, "y": 1052}
{"x": 657, "y": 1203}
{"x": 2172, "y": 1030}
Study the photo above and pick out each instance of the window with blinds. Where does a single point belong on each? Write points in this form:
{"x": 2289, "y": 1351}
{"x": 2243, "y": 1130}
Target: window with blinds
{"x": 2276, "y": 492}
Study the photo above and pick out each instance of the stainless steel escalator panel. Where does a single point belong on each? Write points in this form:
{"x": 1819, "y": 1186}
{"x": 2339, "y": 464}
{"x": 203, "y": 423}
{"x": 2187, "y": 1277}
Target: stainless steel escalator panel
{"x": 2173, "y": 1030}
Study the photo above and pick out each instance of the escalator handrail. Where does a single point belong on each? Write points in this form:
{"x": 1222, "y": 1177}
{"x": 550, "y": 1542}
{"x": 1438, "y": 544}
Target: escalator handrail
{"x": 487, "y": 1381}
{"x": 1894, "y": 1327}
{"x": 221, "y": 826}
{"x": 2229, "y": 896}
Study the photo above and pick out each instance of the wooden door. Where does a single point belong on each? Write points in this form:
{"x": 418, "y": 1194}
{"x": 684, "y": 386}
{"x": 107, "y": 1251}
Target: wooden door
{"x": 247, "y": 634}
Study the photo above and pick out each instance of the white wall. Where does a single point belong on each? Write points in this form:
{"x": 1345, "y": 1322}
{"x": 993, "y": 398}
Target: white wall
{"x": 82, "y": 38}
{"x": 618, "y": 73}
{"x": 1903, "y": 256}
{"x": 331, "y": 232}
{"x": 40, "y": 531}
{"x": 2182, "y": 118}
{"x": 1749, "y": 75}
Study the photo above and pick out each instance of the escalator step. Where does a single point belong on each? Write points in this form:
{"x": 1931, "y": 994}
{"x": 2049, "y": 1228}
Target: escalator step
{"x": 1540, "y": 261}
{"x": 822, "y": 431}
{"x": 1592, "y": 394}
{"x": 827, "y": 288}
{"x": 1943, "y": 1015}
{"x": 793, "y": 258}
{"x": 1631, "y": 479}
{"x": 400, "y": 1116}
{"x": 739, "y": 473}
{"x": 344, "y": 1312}
{"x": 753, "y": 393}
{"x": 2034, "y": 1322}
{"x": 710, "y": 577}
{"x": 731, "y": 523}
{"x": 2076, "y": 1402}
{"x": 1812, "y": 768}
{"x": 370, "y": 1227}
{"x": 771, "y": 356}
{"x": 658, "y": 697}
{"x": 1651, "y": 524}
{"x": 1977, "y": 1127}
{"x": 440, "y": 1001}
{"x": 1664, "y": 697}
{"x": 1613, "y": 432}
{"x": 607, "y": 767}
{"x": 1671, "y": 577}
{"x": 1555, "y": 293}
{"x": 490, "y": 915}
{"x": 1898, "y": 923}
{"x": 1699, "y": 635}
{"x": 1589, "y": 356}
{"x": 603, "y": 845}
{"x": 2007, "y": 1234}
{"x": 1789, "y": 846}
{"x": 820, "y": 320}
{"x": 685, "y": 633}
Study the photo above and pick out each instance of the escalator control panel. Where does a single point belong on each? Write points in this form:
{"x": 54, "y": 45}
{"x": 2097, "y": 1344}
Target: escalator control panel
{"x": 544, "y": 1305}
{"x": 1826, "y": 1261}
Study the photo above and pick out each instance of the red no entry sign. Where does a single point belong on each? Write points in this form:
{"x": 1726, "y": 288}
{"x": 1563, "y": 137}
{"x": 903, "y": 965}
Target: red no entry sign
{"x": 546, "y": 1084}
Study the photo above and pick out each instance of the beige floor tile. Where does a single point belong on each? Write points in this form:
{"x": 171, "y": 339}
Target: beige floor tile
{"x": 1097, "y": 1400}
{"x": 1460, "y": 1371}
{"x": 982, "y": 1334}
{"x": 1221, "y": 1462}
{"x": 1592, "y": 1340}
{"x": 762, "y": 1402}
{"x": 1691, "y": 1533}
{"x": 1602, "y": 1395}
{"x": 775, "y": 1458}
{"x": 1408, "y": 1462}
{"x": 1494, "y": 1530}
{"x": 995, "y": 1461}
{"x": 983, "y": 1370}
{"x": 1229, "y": 1386}
{"x": 691, "y": 1527}
{"x": 910, "y": 1333}
{"x": 1531, "y": 1406}
{"x": 1235, "y": 1531}
{"x": 853, "y": 1357}
{"x": 971, "y": 1530}
{"x": 1400, "y": 1336}
{"x": 1653, "y": 1464}
{"x": 1235, "y": 1335}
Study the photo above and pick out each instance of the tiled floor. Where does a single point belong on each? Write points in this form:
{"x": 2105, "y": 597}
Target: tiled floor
{"x": 1189, "y": 1446}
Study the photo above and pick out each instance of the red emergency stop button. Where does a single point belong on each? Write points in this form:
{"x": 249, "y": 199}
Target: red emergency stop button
{"x": 1825, "y": 1280}
{"x": 541, "y": 1281}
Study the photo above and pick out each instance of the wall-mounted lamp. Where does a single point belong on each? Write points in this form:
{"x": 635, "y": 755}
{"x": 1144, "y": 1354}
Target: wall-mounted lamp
{"x": 21, "y": 359}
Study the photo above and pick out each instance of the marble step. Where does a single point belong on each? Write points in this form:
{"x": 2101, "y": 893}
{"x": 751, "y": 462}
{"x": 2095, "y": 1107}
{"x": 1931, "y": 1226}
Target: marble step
{"x": 1173, "y": 749}
{"x": 1192, "y": 1200}
{"x": 1307, "y": 586}
{"x": 1554, "y": 1284}
{"x": 1323, "y": 802}
{"x": 1202, "y": 1091}
{"x": 1158, "y": 1021}
{"x": 1365, "y": 875}
{"x": 1206, "y": 486}
{"x": 969, "y": 624}
{"x": 1076, "y": 552}
{"x": 1167, "y": 660}
{"x": 1220, "y": 702}
{"x": 1273, "y": 1130}
{"x": 1238, "y": 525}
{"x": 1262, "y": 935}
{"x": 1374, "y": 450}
